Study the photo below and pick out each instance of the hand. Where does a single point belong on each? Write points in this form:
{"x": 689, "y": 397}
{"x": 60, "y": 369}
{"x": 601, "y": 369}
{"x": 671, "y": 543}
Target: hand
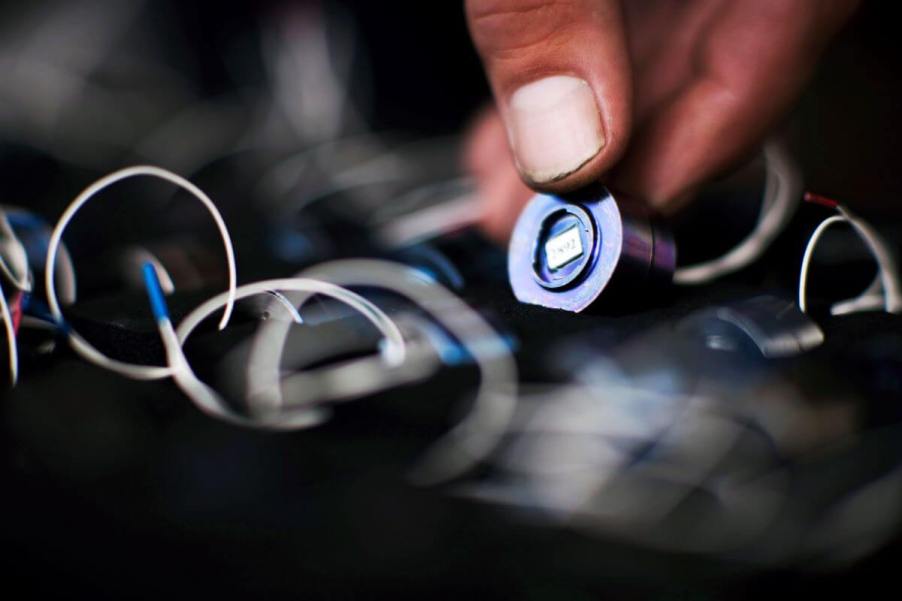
{"x": 651, "y": 96}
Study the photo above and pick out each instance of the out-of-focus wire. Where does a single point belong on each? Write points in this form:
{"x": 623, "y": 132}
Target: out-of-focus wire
{"x": 782, "y": 195}
{"x": 78, "y": 343}
{"x": 384, "y": 164}
{"x": 889, "y": 273}
{"x": 480, "y": 430}
{"x": 29, "y": 223}
{"x": 13, "y": 257}
{"x": 393, "y": 352}
{"x": 286, "y": 304}
{"x": 12, "y": 349}
{"x": 309, "y": 62}
{"x": 204, "y": 397}
{"x": 65, "y": 276}
{"x": 286, "y": 174}
{"x": 871, "y": 299}
{"x": 461, "y": 210}
{"x": 433, "y": 221}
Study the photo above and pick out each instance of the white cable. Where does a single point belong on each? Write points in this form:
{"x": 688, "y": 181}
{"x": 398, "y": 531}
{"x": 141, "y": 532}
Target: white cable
{"x": 208, "y": 401}
{"x": 886, "y": 263}
{"x": 353, "y": 379}
{"x": 286, "y": 304}
{"x": 479, "y": 431}
{"x": 65, "y": 269}
{"x": 285, "y": 175}
{"x": 18, "y": 272}
{"x": 66, "y": 276}
{"x": 884, "y": 291}
{"x": 782, "y": 195}
{"x": 869, "y": 302}
{"x": 79, "y": 344}
{"x": 137, "y": 256}
{"x": 13, "y": 258}
{"x": 806, "y": 258}
{"x": 449, "y": 216}
{"x": 10, "y": 338}
{"x": 871, "y": 299}
{"x": 394, "y": 351}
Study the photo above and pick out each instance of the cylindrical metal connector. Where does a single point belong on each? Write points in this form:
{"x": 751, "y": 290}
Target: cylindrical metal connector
{"x": 564, "y": 252}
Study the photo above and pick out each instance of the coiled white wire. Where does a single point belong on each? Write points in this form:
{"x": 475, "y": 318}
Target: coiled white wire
{"x": 211, "y": 402}
{"x": 78, "y": 343}
{"x": 14, "y": 266}
{"x": 65, "y": 273}
{"x": 884, "y": 291}
{"x": 782, "y": 195}
{"x": 12, "y": 349}
{"x": 480, "y": 430}
{"x": 13, "y": 258}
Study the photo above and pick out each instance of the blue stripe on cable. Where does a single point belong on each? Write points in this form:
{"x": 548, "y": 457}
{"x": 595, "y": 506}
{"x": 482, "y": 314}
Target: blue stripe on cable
{"x": 155, "y": 292}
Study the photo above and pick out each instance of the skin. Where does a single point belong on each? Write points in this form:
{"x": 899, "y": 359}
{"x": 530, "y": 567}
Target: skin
{"x": 686, "y": 89}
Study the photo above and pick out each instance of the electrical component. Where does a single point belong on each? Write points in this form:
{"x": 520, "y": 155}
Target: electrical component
{"x": 565, "y": 252}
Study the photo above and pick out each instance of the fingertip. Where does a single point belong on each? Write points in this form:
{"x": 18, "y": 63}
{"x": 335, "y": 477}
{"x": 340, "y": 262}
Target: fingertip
{"x": 555, "y": 128}
{"x": 561, "y": 75}
{"x": 485, "y": 143}
{"x": 566, "y": 132}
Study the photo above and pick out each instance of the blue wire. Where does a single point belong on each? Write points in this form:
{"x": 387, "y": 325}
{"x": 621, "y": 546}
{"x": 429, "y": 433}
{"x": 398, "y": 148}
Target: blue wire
{"x": 155, "y": 292}
{"x": 25, "y": 220}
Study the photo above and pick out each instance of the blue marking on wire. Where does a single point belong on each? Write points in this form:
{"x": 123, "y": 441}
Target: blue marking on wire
{"x": 24, "y": 220}
{"x": 155, "y": 292}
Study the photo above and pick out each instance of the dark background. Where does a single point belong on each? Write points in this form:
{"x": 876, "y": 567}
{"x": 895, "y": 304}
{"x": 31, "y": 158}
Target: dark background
{"x": 118, "y": 489}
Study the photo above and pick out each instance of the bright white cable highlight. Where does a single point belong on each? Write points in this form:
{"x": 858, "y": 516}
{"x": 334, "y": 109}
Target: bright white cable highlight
{"x": 79, "y": 344}
{"x": 782, "y": 195}
{"x": 13, "y": 258}
{"x": 884, "y": 291}
{"x": 12, "y": 349}
{"x": 806, "y": 258}
{"x": 286, "y": 304}
{"x": 394, "y": 351}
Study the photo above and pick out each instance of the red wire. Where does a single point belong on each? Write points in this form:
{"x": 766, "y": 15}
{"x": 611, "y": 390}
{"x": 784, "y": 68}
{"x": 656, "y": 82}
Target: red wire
{"x": 15, "y": 310}
{"x": 820, "y": 200}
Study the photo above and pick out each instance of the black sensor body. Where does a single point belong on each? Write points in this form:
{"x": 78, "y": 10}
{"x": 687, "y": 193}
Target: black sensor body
{"x": 566, "y": 251}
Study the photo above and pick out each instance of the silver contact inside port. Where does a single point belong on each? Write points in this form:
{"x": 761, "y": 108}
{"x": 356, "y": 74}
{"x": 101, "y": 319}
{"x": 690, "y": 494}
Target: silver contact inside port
{"x": 563, "y": 248}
